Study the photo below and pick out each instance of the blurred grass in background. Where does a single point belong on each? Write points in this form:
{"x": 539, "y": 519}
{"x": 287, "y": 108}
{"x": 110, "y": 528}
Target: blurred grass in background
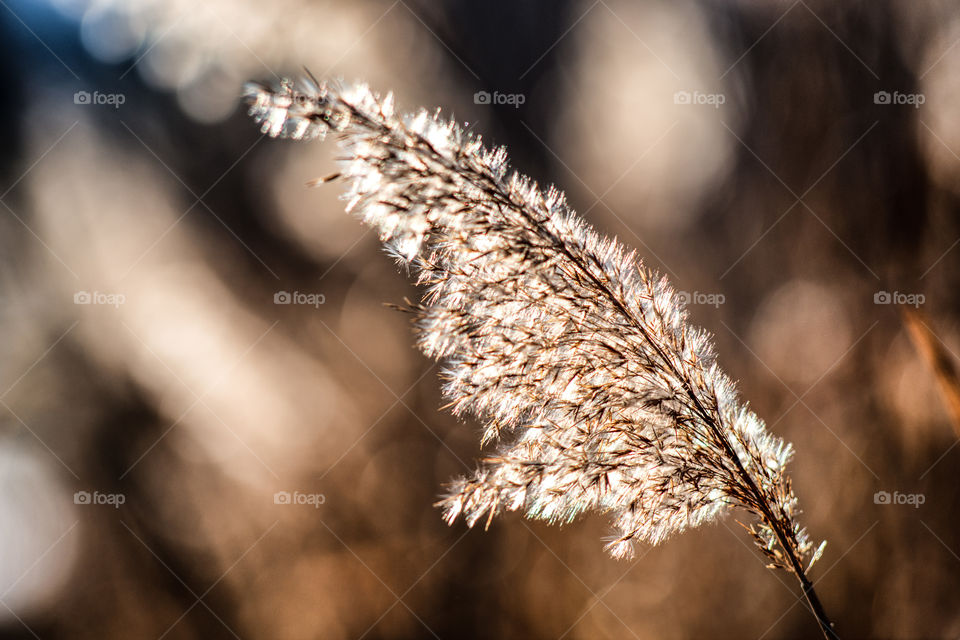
{"x": 792, "y": 166}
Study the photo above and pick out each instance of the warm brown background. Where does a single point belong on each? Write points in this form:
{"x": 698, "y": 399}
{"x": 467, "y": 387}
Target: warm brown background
{"x": 797, "y": 200}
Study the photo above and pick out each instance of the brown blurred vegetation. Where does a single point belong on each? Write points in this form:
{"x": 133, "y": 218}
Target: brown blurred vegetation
{"x": 798, "y": 200}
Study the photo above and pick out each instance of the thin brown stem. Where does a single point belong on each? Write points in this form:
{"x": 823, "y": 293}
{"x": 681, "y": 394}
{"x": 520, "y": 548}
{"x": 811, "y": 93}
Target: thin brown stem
{"x": 808, "y": 591}
{"x": 783, "y": 539}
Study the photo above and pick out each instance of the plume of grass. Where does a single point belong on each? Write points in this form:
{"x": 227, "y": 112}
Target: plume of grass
{"x": 578, "y": 360}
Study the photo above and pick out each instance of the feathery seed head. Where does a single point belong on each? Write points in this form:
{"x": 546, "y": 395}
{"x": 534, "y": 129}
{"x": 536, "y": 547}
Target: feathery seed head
{"x": 578, "y": 360}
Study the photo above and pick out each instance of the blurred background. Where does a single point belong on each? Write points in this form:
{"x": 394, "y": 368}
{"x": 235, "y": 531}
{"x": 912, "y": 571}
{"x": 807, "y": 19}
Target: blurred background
{"x": 212, "y": 427}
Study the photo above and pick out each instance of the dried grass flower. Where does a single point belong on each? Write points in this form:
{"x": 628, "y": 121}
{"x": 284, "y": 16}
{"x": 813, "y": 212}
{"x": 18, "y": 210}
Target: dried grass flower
{"x": 578, "y": 360}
